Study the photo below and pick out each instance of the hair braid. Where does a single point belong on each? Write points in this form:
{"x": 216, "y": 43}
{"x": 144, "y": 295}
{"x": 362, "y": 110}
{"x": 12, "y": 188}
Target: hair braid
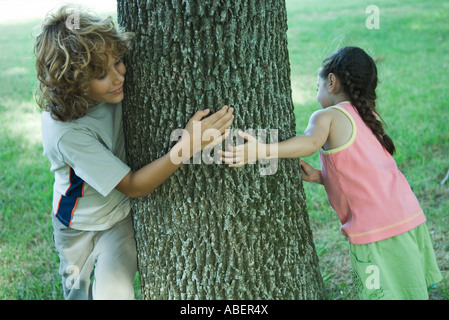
{"x": 358, "y": 74}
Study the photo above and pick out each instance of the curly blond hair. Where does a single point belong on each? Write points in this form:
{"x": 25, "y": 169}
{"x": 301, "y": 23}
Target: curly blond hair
{"x": 72, "y": 49}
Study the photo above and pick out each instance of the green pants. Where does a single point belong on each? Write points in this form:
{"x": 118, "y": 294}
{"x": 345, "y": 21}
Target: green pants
{"x": 397, "y": 268}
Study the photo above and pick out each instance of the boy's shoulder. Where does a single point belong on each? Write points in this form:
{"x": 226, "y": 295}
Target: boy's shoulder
{"x": 102, "y": 121}
{"x": 52, "y": 126}
{"x": 52, "y": 133}
{"x": 94, "y": 113}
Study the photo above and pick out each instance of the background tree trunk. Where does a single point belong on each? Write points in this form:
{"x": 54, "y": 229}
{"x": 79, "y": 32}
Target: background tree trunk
{"x": 211, "y": 232}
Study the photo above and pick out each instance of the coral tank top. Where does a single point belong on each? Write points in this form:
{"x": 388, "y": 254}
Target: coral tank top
{"x": 372, "y": 198}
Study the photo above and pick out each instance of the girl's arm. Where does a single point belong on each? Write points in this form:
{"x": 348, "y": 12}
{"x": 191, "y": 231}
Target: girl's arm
{"x": 148, "y": 178}
{"x": 314, "y": 137}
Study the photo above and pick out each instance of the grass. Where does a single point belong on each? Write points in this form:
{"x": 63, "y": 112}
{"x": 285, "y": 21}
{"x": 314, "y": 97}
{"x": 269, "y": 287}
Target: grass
{"x": 28, "y": 265}
{"x": 413, "y": 47}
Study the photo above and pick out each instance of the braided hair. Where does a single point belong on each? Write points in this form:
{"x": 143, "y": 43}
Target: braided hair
{"x": 357, "y": 72}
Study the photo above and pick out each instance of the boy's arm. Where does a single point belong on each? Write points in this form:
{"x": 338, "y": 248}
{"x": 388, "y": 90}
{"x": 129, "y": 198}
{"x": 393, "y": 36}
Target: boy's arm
{"x": 314, "y": 137}
{"x": 148, "y": 178}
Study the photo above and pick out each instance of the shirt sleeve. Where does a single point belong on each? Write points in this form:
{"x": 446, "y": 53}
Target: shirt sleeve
{"x": 92, "y": 161}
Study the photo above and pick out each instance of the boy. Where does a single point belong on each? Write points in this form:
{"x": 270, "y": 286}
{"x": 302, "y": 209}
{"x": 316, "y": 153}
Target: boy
{"x": 81, "y": 77}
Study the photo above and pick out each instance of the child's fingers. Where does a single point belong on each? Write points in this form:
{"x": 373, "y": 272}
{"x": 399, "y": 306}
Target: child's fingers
{"x": 226, "y": 134}
{"x": 237, "y": 165}
{"x": 231, "y": 161}
{"x": 200, "y": 114}
{"x": 225, "y": 153}
{"x": 247, "y": 136}
{"x": 222, "y": 122}
{"x": 225, "y": 123}
{"x": 230, "y": 147}
{"x": 228, "y": 155}
{"x": 231, "y": 157}
{"x": 220, "y": 138}
{"x": 218, "y": 115}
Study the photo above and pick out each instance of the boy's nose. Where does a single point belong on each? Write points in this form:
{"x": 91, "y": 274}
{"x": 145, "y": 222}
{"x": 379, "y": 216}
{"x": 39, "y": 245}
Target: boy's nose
{"x": 119, "y": 77}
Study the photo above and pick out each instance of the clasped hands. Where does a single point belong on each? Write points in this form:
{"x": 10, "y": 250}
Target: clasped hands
{"x": 201, "y": 133}
{"x": 206, "y": 132}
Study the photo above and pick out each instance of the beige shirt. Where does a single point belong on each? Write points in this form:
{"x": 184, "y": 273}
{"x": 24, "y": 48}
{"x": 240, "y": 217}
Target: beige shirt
{"x": 88, "y": 159}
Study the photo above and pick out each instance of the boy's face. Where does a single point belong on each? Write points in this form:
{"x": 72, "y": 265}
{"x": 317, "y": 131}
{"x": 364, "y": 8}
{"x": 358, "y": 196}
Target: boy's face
{"x": 109, "y": 87}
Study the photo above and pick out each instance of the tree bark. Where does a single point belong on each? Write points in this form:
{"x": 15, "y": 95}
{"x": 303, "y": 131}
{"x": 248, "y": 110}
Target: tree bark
{"x": 211, "y": 232}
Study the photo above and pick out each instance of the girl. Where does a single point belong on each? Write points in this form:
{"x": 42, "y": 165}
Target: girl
{"x": 81, "y": 79}
{"x": 390, "y": 247}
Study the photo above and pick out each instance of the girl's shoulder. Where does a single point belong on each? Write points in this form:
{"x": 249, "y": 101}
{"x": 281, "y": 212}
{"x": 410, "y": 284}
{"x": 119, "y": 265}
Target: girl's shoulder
{"x": 321, "y": 114}
{"x": 342, "y": 128}
{"x": 331, "y": 114}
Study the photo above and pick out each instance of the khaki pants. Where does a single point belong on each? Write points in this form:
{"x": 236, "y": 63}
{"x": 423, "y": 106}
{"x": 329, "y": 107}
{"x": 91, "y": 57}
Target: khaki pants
{"x": 109, "y": 256}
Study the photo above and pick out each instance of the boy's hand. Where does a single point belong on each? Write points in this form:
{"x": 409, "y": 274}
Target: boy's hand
{"x": 210, "y": 131}
{"x": 310, "y": 174}
{"x": 242, "y": 154}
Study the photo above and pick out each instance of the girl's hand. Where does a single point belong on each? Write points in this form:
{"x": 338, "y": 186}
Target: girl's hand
{"x": 242, "y": 154}
{"x": 310, "y": 174}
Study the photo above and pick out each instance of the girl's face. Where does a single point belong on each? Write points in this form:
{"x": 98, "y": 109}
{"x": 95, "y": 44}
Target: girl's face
{"x": 109, "y": 87}
{"x": 323, "y": 95}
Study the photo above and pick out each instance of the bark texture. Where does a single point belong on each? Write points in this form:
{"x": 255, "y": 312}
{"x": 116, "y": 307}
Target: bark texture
{"x": 211, "y": 232}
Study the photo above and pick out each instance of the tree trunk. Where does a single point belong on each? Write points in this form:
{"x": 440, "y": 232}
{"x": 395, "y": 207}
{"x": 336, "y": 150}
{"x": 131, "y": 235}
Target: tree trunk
{"x": 212, "y": 232}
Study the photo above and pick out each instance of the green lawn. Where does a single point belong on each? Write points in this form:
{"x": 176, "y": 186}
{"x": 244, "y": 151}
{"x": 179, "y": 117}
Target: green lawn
{"x": 412, "y": 45}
